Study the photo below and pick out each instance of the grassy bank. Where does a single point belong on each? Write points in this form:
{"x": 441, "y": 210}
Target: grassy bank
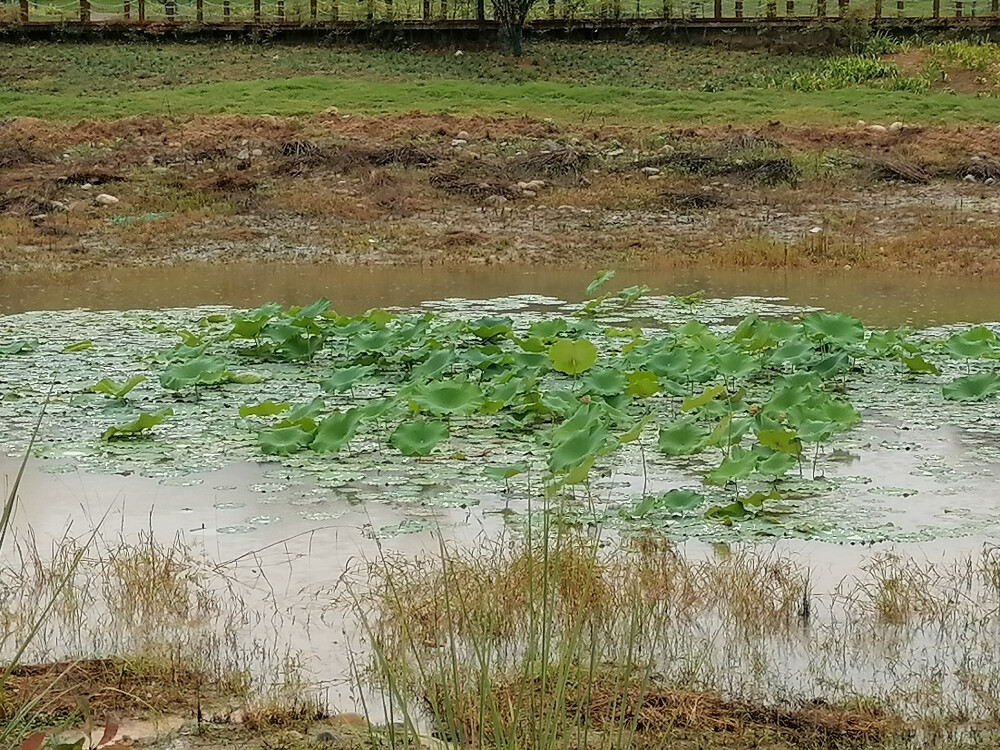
{"x": 569, "y": 83}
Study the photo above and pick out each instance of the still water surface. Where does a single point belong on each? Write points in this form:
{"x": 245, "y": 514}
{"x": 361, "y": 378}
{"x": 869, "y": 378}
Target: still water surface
{"x": 878, "y": 299}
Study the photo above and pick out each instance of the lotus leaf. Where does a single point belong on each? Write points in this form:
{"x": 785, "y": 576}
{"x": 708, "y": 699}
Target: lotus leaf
{"x": 418, "y": 438}
{"x": 682, "y": 438}
{"x": 975, "y": 387}
{"x": 138, "y": 426}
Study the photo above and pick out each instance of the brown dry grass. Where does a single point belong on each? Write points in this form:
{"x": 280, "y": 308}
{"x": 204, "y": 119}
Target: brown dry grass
{"x": 426, "y": 203}
{"x": 604, "y": 702}
{"x": 103, "y": 687}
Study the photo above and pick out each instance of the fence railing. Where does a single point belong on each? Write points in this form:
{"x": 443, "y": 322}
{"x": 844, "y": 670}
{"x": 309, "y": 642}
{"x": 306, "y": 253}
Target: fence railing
{"x": 300, "y": 12}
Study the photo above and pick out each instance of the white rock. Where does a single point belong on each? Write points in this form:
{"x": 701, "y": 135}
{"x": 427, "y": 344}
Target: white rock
{"x": 655, "y": 177}
{"x": 86, "y": 186}
{"x": 106, "y": 200}
{"x": 616, "y": 152}
{"x": 988, "y": 181}
{"x": 458, "y": 142}
{"x": 535, "y": 185}
{"x": 243, "y": 155}
{"x": 815, "y": 230}
{"x": 878, "y": 128}
{"x": 58, "y": 206}
{"x": 968, "y": 178}
{"x": 895, "y": 127}
{"x": 650, "y": 170}
{"x": 459, "y": 53}
{"x": 257, "y": 152}
{"x": 529, "y": 193}
{"x": 463, "y": 135}
{"x": 39, "y": 217}
{"x": 667, "y": 149}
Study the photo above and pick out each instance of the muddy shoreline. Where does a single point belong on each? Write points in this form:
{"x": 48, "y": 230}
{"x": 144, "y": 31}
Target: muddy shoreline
{"x": 426, "y": 190}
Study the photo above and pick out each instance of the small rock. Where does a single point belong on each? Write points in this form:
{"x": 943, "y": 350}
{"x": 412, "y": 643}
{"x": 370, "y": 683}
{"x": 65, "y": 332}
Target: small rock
{"x": 523, "y": 186}
{"x": 968, "y": 178}
{"x": 616, "y": 152}
{"x": 86, "y": 186}
{"x": 655, "y": 177}
{"x": 815, "y": 230}
{"x": 473, "y": 155}
{"x": 667, "y": 149}
{"x": 458, "y": 143}
{"x": 650, "y": 170}
{"x": 861, "y": 124}
{"x": 988, "y": 181}
{"x": 106, "y": 200}
{"x": 245, "y": 142}
{"x": 535, "y": 185}
{"x": 331, "y": 111}
{"x": 348, "y": 720}
{"x": 463, "y": 135}
{"x": 459, "y": 53}
{"x": 895, "y": 127}
{"x": 39, "y": 217}
{"x": 529, "y": 193}
{"x": 243, "y": 155}
{"x": 58, "y": 206}
{"x": 257, "y": 152}
{"x": 878, "y": 128}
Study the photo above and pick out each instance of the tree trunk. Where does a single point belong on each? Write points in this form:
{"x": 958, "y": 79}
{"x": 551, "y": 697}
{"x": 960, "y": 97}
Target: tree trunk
{"x": 512, "y": 39}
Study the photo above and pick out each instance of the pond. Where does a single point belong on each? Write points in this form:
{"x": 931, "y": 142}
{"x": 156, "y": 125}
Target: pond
{"x": 287, "y": 462}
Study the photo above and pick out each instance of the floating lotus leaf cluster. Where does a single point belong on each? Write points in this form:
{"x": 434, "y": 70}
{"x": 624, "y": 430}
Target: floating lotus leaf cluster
{"x": 733, "y": 423}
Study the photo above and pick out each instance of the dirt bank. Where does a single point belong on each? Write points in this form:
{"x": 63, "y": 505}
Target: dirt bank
{"x": 420, "y": 189}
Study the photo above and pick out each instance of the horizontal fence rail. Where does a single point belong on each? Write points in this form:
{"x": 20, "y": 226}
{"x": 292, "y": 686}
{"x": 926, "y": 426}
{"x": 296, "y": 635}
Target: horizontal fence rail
{"x": 545, "y": 13}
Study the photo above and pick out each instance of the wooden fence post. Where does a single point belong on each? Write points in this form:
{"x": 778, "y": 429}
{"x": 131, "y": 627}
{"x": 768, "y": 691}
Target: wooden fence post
{"x": 936, "y": 11}
{"x": 739, "y": 10}
{"x": 200, "y": 10}
{"x": 878, "y": 8}
{"x": 171, "y": 8}
{"x": 256, "y": 11}
{"x": 772, "y": 8}
{"x": 84, "y": 11}
{"x": 24, "y": 11}
{"x": 899, "y": 8}
{"x": 821, "y": 8}
{"x": 226, "y": 10}
{"x": 958, "y": 8}
{"x": 843, "y": 7}
{"x": 718, "y": 10}
{"x": 281, "y": 10}
{"x": 790, "y": 8}
{"x": 427, "y": 10}
{"x": 313, "y": 9}
{"x": 480, "y": 10}
{"x": 142, "y": 10}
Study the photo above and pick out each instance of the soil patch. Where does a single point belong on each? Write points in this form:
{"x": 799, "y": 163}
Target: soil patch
{"x": 104, "y": 687}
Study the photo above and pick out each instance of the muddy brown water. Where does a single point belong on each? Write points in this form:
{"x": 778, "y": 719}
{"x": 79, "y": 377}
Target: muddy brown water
{"x": 878, "y": 299}
{"x": 284, "y": 567}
